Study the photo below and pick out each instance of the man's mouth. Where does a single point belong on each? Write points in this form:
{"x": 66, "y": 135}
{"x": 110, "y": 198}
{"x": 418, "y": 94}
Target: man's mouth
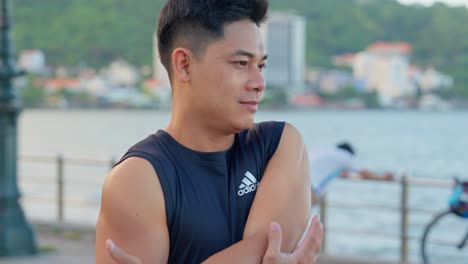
{"x": 251, "y": 105}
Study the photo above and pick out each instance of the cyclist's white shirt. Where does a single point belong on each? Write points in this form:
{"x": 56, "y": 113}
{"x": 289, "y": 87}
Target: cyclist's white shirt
{"x": 327, "y": 164}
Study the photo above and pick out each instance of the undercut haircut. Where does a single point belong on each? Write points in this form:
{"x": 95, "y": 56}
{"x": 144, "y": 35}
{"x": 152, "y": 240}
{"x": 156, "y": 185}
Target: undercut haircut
{"x": 194, "y": 24}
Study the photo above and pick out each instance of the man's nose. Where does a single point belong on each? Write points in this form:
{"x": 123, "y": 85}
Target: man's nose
{"x": 256, "y": 82}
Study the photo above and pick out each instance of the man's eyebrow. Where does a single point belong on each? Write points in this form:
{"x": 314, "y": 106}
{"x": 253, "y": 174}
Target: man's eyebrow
{"x": 246, "y": 54}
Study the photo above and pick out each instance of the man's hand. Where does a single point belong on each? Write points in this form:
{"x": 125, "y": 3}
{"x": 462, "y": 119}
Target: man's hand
{"x": 306, "y": 252}
{"x": 120, "y": 256}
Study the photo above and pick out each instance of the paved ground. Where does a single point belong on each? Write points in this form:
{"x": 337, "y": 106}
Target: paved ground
{"x": 73, "y": 245}
{"x": 66, "y": 246}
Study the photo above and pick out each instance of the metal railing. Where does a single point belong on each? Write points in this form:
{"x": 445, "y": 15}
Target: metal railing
{"x": 60, "y": 162}
{"x": 404, "y": 211}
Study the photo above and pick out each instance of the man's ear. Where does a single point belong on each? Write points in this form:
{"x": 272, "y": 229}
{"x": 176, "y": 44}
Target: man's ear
{"x": 181, "y": 61}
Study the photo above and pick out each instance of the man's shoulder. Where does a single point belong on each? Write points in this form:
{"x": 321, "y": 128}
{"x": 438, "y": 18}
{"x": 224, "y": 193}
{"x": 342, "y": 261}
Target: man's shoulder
{"x": 132, "y": 169}
{"x": 153, "y": 149}
{"x": 132, "y": 201}
{"x": 134, "y": 179}
{"x": 292, "y": 135}
{"x": 286, "y": 137}
{"x": 145, "y": 143}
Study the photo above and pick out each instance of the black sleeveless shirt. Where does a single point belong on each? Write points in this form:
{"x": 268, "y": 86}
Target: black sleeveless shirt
{"x": 208, "y": 195}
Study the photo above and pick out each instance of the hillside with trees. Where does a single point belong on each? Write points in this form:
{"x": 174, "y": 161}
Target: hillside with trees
{"x": 92, "y": 33}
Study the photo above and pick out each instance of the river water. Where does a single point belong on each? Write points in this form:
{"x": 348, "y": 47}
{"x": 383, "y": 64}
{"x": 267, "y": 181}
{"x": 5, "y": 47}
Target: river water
{"x": 420, "y": 144}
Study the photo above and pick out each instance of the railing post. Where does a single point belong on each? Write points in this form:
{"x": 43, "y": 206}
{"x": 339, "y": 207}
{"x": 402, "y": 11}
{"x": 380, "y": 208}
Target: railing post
{"x": 323, "y": 219}
{"x": 404, "y": 221}
{"x": 60, "y": 174}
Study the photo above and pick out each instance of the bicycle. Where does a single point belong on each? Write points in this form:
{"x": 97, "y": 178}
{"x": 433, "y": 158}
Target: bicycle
{"x": 439, "y": 231}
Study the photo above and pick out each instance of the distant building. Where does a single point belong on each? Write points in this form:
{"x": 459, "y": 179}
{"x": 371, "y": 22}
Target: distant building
{"x": 330, "y": 81}
{"x": 159, "y": 89}
{"x": 345, "y": 60}
{"x": 56, "y": 84}
{"x": 121, "y": 74}
{"x": 127, "y": 97}
{"x": 33, "y": 61}
{"x": 97, "y": 86}
{"x": 433, "y": 102}
{"x": 384, "y": 67}
{"x": 306, "y": 100}
{"x": 335, "y": 80}
{"x": 432, "y": 80}
{"x": 285, "y": 45}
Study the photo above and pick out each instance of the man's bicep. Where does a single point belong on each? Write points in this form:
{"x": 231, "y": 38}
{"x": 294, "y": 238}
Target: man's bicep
{"x": 133, "y": 214}
{"x": 284, "y": 191}
{"x": 150, "y": 246}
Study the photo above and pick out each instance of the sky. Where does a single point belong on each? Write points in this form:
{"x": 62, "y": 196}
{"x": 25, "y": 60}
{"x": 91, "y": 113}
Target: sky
{"x": 429, "y": 2}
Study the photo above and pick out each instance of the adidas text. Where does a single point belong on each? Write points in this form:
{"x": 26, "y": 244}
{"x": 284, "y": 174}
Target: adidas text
{"x": 248, "y": 189}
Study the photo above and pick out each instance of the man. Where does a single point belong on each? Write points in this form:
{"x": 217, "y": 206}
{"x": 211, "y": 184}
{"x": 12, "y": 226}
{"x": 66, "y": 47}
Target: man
{"x": 338, "y": 161}
{"x": 212, "y": 186}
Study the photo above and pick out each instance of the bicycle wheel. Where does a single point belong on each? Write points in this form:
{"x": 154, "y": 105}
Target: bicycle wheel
{"x": 441, "y": 238}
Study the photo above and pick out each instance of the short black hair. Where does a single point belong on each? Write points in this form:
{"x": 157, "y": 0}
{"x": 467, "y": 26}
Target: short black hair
{"x": 346, "y": 146}
{"x": 196, "y": 23}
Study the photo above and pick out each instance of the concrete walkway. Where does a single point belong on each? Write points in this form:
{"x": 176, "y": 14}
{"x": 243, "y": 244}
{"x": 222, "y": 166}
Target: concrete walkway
{"x": 73, "y": 245}
{"x": 59, "y": 246}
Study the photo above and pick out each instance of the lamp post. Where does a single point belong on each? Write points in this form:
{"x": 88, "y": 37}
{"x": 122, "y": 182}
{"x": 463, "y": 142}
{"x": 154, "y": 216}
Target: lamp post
{"x": 16, "y": 235}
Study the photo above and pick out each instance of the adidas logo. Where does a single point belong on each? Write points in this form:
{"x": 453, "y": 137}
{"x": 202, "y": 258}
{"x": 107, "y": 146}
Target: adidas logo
{"x": 249, "y": 184}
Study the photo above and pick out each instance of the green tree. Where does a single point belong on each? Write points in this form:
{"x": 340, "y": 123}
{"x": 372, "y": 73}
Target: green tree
{"x": 95, "y": 32}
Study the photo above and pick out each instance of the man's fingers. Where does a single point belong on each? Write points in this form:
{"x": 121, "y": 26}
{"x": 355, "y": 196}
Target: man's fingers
{"x": 274, "y": 238}
{"x": 119, "y": 255}
{"x": 313, "y": 241}
{"x": 116, "y": 253}
{"x": 318, "y": 237}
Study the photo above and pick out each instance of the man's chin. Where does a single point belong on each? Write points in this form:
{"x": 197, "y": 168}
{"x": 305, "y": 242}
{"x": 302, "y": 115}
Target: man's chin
{"x": 246, "y": 124}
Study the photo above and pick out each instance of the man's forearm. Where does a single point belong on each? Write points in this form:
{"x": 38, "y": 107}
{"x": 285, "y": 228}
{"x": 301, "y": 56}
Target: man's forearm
{"x": 249, "y": 250}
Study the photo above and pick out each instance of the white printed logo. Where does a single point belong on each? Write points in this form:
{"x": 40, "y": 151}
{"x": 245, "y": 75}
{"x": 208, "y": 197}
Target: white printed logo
{"x": 249, "y": 184}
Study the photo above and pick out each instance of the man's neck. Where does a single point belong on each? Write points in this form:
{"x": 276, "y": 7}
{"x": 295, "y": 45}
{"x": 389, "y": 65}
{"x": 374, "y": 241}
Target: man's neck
{"x": 197, "y": 136}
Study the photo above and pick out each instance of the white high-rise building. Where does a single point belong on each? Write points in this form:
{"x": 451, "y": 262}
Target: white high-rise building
{"x": 285, "y": 45}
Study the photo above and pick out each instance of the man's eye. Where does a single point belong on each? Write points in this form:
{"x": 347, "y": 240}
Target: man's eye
{"x": 241, "y": 63}
{"x": 262, "y": 66}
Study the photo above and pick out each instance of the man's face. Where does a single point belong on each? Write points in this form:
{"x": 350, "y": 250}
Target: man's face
{"x": 227, "y": 81}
